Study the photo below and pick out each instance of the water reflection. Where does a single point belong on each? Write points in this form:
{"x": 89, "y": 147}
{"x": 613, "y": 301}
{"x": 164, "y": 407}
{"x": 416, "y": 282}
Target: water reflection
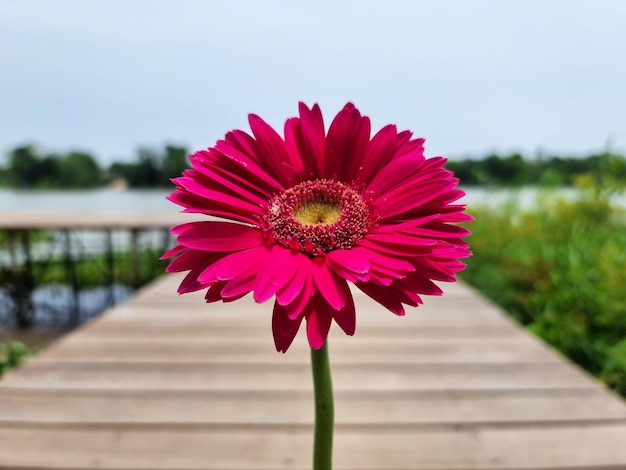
{"x": 52, "y": 305}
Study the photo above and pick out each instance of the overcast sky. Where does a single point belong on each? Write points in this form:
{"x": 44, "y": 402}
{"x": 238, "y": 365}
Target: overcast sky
{"x": 469, "y": 76}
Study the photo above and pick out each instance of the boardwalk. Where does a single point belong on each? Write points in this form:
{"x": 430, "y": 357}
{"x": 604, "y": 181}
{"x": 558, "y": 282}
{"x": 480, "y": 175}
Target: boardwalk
{"x": 95, "y": 220}
{"x": 167, "y": 382}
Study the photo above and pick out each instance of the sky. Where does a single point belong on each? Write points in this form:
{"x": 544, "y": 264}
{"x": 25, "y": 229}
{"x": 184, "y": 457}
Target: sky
{"x": 471, "y": 76}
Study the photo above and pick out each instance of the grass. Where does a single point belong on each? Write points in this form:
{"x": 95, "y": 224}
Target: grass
{"x": 12, "y": 354}
{"x": 559, "y": 270}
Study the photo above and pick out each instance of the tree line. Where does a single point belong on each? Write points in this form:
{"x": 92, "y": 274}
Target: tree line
{"x": 27, "y": 167}
{"x": 30, "y": 168}
{"x": 515, "y": 170}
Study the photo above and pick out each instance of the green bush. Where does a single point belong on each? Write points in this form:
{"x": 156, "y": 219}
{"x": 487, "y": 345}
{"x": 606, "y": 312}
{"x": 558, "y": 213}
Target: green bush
{"x": 12, "y": 354}
{"x": 559, "y": 270}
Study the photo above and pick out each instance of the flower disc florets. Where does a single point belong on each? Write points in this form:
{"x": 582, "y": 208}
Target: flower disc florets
{"x": 318, "y": 216}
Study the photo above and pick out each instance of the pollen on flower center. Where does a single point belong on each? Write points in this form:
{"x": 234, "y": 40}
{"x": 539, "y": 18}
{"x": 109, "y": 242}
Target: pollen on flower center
{"x": 318, "y": 216}
{"x": 318, "y": 212}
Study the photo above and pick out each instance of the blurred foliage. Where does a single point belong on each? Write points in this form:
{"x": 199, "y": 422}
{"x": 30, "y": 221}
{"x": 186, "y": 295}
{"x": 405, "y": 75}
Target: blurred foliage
{"x": 559, "y": 269}
{"x": 151, "y": 167}
{"x": 514, "y": 170}
{"x": 12, "y": 354}
{"x": 27, "y": 167}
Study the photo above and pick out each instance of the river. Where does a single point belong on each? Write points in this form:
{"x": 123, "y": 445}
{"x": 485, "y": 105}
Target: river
{"x": 109, "y": 200}
{"x": 98, "y": 200}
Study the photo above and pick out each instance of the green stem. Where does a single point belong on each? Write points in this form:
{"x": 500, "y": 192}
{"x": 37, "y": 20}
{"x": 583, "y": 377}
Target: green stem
{"x": 324, "y": 409}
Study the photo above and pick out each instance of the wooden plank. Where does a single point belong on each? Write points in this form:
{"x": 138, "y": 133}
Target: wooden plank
{"x": 288, "y": 447}
{"x": 252, "y": 315}
{"x": 460, "y": 307}
{"x": 260, "y": 349}
{"x": 295, "y": 407}
{"x": 138, "y": 331}
{"x": 260, "y": 376}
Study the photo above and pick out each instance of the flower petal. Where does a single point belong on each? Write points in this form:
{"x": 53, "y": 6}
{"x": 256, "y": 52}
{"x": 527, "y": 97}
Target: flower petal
{"x": 174, "y": 251}
{"x": 346, "y": 317}
{"x": 196, "y": 205}
{"x": 300, "y": 284}
{"x": 420, "y": 284}
{"x": 305, "y": 138}
{"x": 272, "y": 152}
{"x": 353, "y": 265}
{"x": 405, "y": 168}
{"x": 346, "y": 144}
{"x": 216, "y": 198}
{"x": 384, "y": 296}
{"x": 400, "y": 239}
{"x": 284, "y": 329}
{"x": 232, "y": 265}
{"x": 214, "y": 292}
{"x": 191, "y": 259}
{"x": 301, "y": 303}
{"x": 333, "y": 288}
{"x": 314, "y": 134}
{"x": 221, "y": 177}
{"x": 408, "y": 197}
{"x": 190, "y": 283}
{"x": 238, "y": 286}
{"x": 437, "y": 230}
{"x": 218, "y": 236}
{"x": 237, "y": 147}
{"x": 318, "y": 324}
{"x": 380, "y": 151}
{"x": 390, "y": 263}
{"x": 275, "y": 272}
{"x": 397, "y": 249}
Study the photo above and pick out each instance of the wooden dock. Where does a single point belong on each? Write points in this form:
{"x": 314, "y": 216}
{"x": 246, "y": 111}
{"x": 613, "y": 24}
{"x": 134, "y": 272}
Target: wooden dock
{"x": 168, "y": 382}
{"x": 49, "y": 220}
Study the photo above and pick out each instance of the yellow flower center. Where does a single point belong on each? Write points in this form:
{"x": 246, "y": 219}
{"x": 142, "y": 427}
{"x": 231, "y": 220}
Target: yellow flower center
{"x": 318, "y": 213}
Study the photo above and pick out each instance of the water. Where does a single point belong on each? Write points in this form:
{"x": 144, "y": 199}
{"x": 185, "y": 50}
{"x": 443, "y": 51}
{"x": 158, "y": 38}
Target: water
{"x": 153, "y": 201}
{"x": 52, "y": 304}
{"x": 99, "y": 200}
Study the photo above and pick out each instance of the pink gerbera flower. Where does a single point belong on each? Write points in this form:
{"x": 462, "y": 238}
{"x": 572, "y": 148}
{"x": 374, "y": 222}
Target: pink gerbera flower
{"x": 311, "y": 211}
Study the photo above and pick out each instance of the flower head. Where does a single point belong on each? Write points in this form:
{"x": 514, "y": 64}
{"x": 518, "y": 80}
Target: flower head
{"x": 301, "y": 216}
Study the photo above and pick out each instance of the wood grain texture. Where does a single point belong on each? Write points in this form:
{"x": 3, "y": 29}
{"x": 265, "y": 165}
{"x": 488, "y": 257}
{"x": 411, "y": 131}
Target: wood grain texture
{"x": 255, "y": 407}
{"x": 583, "y": 447}
{"x": 169, "y": 382}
